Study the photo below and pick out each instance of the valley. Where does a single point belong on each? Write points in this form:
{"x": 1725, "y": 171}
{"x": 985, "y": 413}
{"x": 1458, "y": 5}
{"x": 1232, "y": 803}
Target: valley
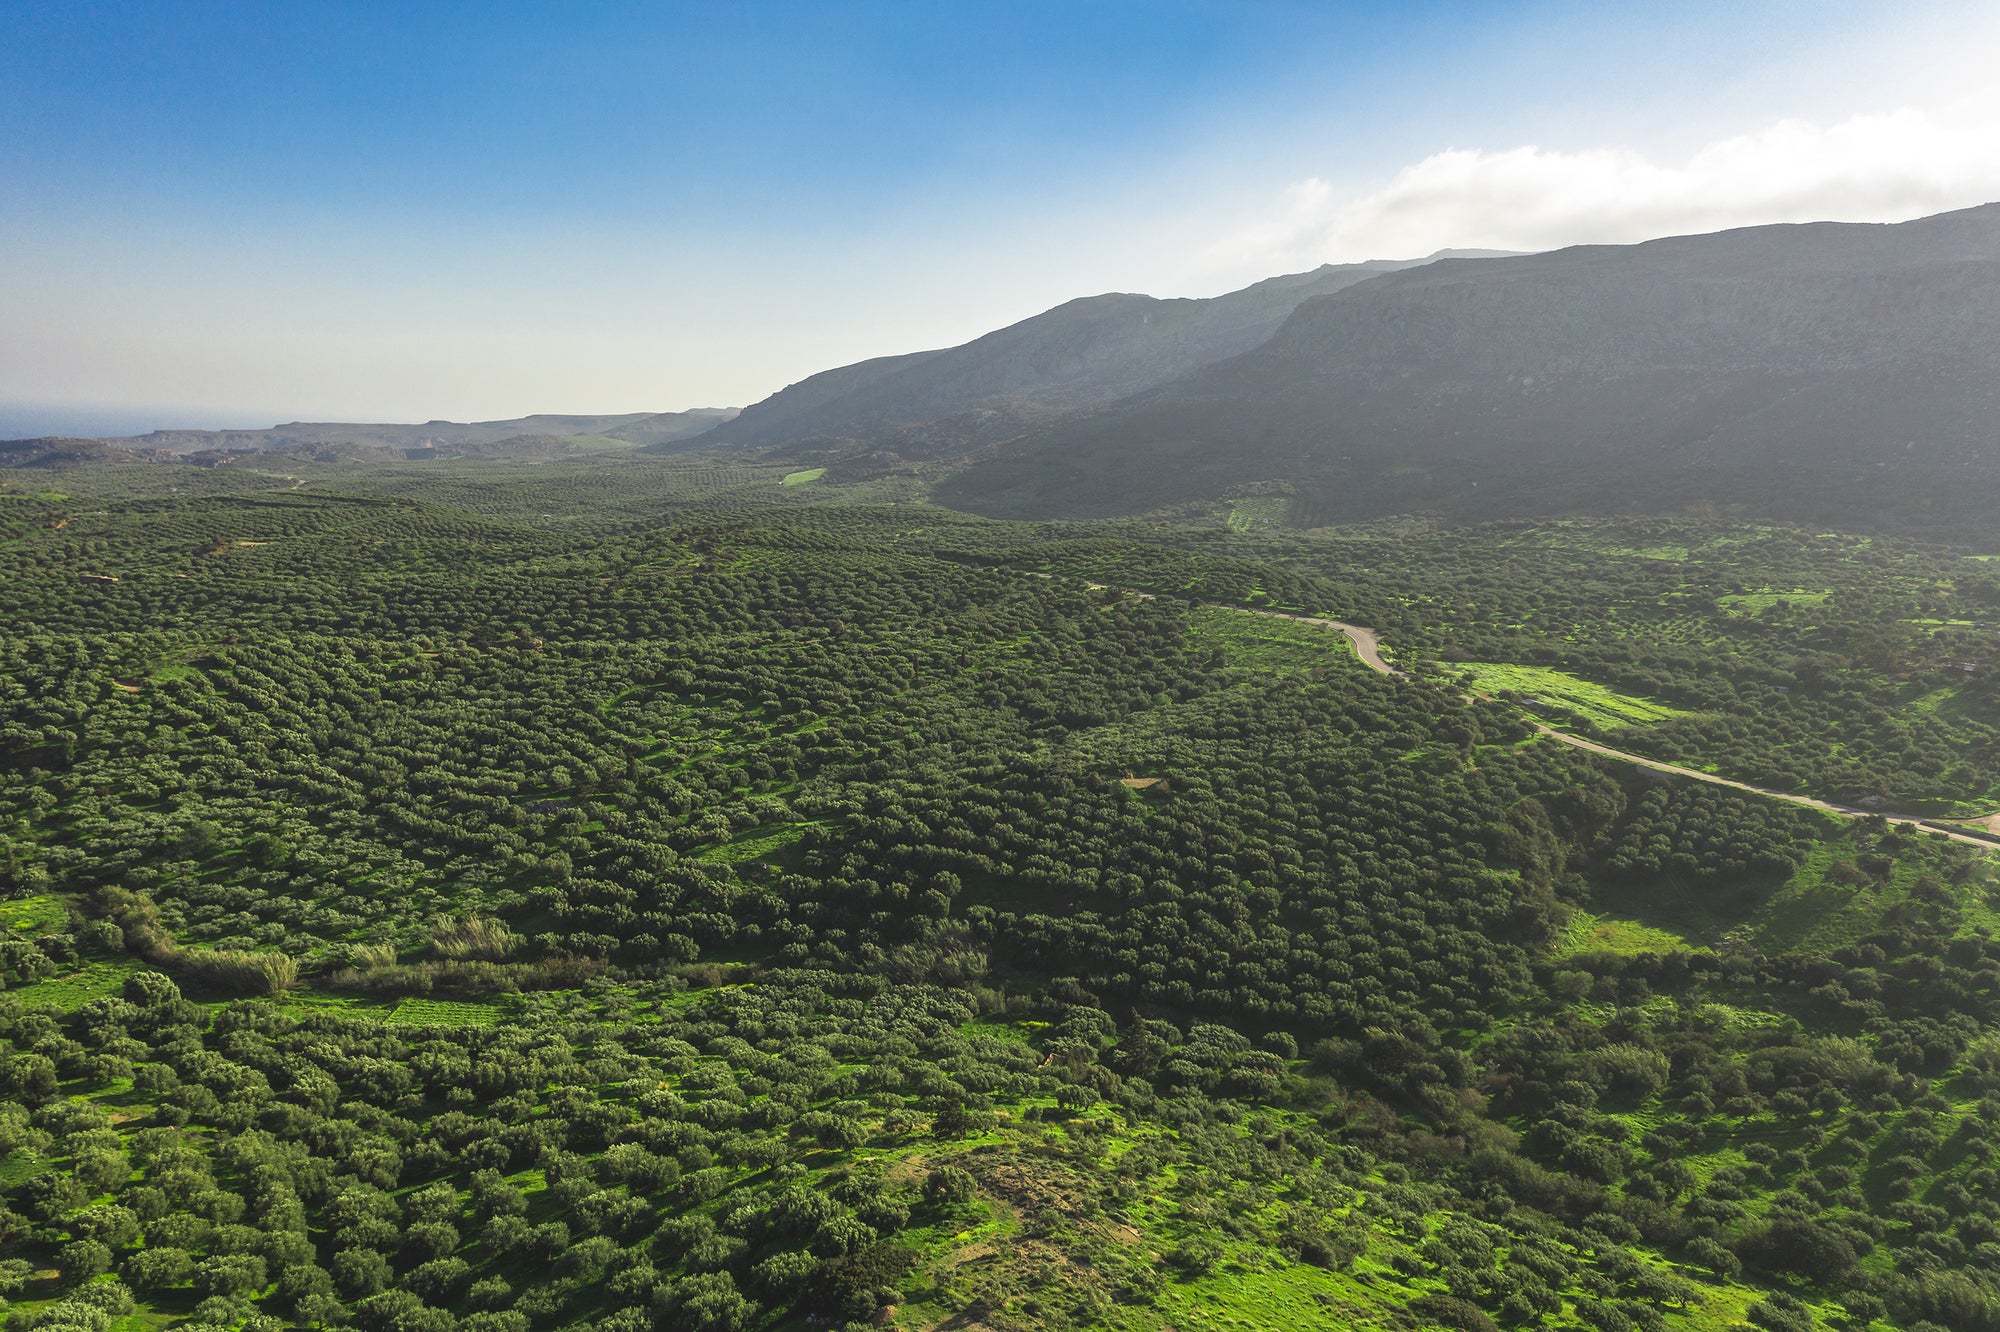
{"x": 508, "y": 898}
{"x": 930, "y": 667}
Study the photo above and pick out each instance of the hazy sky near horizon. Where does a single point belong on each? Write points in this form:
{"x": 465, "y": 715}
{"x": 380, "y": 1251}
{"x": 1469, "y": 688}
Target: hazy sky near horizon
{"x": 233, "y": 213}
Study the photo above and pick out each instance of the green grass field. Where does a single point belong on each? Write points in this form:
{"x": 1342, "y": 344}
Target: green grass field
{"x": 1605, "y": 707}
{"x": 1588, "y": 933}
{"x": 443, "y": 1013}
{"x": 1267, "y": 643}
{"x": 1823, "y": 906}
{"x": 26, "y": 917}
{"x": 803, "y": 478}
{"x": 71, "y": 991}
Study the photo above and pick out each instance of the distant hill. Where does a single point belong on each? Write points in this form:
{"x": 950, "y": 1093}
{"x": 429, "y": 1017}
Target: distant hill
{"x": 1087, "y": 351}
{"x": 545, "y": 435}
{"x": 53, "y": 452}
{"x": 525, "y": 448}
{"x": 1820, "y": 371}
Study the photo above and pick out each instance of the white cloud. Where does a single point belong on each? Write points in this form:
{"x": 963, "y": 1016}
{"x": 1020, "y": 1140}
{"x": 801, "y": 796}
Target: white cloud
{"x": 1870, "y": 168}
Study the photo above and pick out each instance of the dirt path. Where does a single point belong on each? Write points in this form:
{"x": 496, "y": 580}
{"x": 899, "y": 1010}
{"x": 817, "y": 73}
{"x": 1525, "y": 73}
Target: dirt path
{"x": 1368, "y": 646}
{"x": 1367, "y": 643}
{"x": 1810, "y": 802}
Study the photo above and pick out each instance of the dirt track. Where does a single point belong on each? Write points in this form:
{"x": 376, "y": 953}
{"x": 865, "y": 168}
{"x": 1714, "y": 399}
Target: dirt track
{"x": 1845, "y": 811}
{"x": 1368, "y": 644}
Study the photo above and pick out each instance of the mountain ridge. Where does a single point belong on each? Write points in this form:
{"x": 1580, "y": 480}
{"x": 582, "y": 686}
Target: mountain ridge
{"x": 1695, "y": 362}
{"x": 1082, "y": 352}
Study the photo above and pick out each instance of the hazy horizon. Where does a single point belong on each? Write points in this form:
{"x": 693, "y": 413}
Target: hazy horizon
{"x": 222, "y": 219}
{"x": 24, "y": 420}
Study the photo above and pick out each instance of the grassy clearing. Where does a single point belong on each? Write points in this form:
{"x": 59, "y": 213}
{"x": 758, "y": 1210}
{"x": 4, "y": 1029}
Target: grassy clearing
{"x": 21, "y": 1165}
{"x": 26, "y": 917}
{"x": 1824, "y": 906}
{"x": 94, "y": 980}
{"x": 443, "y": 1013}
{"x": 803, "y": 478}
{"x": 1252, "y": 1290}
{"x": 1608, "y": 539}
{"x": 1014, "y": 1033}
{"x": 1935, "y": 703}
{"x": 1266, "y": 643}
{"x": 1605, "y": 707}
{"x": 1588, "y": 933}
{"x": 352, "y": 1005}
{"x": 1815, "y": 911}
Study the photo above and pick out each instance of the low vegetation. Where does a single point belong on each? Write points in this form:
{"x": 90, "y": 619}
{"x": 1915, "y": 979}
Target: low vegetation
{"x": 700, "y": 903}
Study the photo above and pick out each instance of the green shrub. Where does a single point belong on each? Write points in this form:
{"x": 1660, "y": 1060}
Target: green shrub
{"x": 949, "y": 1185}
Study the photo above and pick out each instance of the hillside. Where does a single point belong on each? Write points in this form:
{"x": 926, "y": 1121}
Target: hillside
{"x": 1086, "y": 351}
{"x": 638, "y": 896}
{"x": 1779, "y": 370}
{"x": 647, "y": 897}
{"x": 55, "y": 452}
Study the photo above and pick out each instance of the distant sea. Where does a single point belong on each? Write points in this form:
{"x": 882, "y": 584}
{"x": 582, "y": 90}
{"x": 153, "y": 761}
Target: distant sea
{"x": 30, "y": 420}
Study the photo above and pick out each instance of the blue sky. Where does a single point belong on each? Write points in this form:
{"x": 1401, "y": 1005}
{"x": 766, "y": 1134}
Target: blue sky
{"x": 243, "y": 212}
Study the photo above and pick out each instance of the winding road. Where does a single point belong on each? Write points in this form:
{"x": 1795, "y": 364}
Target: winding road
{"x": 1368, "y": 646}
{"x": 1810, "y": 802}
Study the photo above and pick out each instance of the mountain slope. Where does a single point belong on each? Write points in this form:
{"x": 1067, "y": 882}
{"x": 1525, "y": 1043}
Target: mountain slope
{"x": 1086, "y": 351}
{"x": 1777, "y": 368}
